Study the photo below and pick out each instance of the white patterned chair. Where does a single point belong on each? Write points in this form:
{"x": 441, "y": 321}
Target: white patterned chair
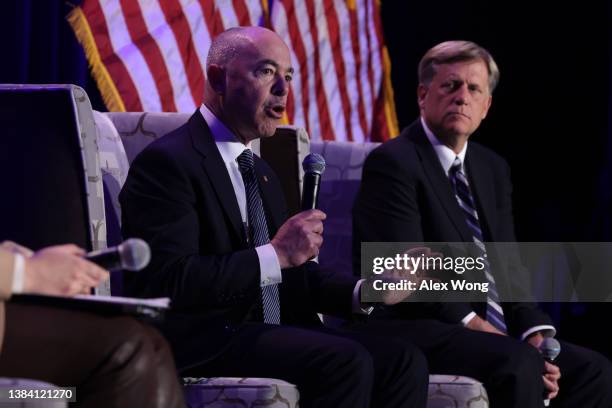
{"x": 131, "y": 132}
{"x": 73, "y": 123}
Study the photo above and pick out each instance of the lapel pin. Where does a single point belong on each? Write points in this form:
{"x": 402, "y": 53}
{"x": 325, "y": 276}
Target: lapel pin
{"x": 265, "y": 179}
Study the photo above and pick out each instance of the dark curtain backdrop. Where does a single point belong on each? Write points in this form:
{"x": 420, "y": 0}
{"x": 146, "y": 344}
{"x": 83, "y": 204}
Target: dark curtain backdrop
{"x": 38, "y": 46}
{"x": 549, "y": 119}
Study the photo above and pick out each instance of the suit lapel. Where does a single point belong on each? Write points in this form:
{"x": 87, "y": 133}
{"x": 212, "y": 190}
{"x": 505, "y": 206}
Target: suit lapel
{"x": 439, "y": 181}
{"x": 216, "y": 171}
{"x": 482, "y": 186}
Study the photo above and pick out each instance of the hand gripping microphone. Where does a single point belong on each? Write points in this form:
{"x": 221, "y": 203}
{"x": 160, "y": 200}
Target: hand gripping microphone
{"x": 550, "y": 349}
{"x": 314, "y": 166}
{"x": 132, "y": 255}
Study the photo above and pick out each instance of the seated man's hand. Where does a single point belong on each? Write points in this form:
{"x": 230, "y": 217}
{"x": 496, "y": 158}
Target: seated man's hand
{"x": 552, "y": 373}
{"x": 551, "y": 377}
{"x": 61, "y": 270}
{"x": 392, "y": 297}
{"x": 479, "y": 324}
{"x": 299, "y": 238}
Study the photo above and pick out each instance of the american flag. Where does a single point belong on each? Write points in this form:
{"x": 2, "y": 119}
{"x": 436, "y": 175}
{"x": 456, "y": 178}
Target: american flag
{"x": 150, "y": 55}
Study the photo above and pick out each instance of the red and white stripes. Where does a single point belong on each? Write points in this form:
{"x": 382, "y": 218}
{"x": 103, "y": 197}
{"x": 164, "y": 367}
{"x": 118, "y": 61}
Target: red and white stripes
{"x": 153, "y": 54}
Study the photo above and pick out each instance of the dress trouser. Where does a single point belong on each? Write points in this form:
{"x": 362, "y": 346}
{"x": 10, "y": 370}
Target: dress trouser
{"x": 510, "y": 370}
{"x": 331, "y": 368}
{"x": 112, "y": 361}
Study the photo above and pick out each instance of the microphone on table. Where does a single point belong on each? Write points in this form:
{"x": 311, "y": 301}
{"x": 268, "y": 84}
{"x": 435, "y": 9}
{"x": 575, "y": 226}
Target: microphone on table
{"x": 314, "y": 166}
{"x": 550, "y": 349}
{"x": 133, "y": 255}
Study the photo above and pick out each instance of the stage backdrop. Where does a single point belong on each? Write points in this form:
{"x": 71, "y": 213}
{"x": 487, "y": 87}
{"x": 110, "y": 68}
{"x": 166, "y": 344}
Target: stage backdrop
{"x": 151, "y": 56}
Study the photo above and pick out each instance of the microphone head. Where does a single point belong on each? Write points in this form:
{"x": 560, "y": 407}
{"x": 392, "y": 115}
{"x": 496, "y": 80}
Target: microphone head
{"x": 314, "y": 163}
{"x": 135, "y": 254}
{"x": 550, "y": 348}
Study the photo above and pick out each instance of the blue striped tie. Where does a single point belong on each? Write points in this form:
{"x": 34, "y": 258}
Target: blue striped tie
{"x": 258, "y": 231}
{"x": 465, "y": 199}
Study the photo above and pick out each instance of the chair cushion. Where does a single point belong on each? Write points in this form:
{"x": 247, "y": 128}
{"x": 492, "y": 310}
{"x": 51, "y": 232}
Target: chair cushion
{"x": 447, "y": 391}
{"x": 228, "y": 392}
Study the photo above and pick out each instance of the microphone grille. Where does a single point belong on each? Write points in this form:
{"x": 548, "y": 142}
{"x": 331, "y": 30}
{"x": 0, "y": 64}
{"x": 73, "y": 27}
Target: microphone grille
{"x": 135, "y": 254}
{"x": 550, "y": 348}
{"x": 314, "y": 163}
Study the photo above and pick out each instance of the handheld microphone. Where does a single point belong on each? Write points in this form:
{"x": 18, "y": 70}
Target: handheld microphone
{"x": 133, "y": 254}
{"x": 314, "y": 166}
{"x": 550, "y": 349}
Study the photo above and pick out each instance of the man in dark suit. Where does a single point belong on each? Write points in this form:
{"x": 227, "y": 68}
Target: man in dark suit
{"x": 431, "y": 185}
{"x": 244, "y": 293}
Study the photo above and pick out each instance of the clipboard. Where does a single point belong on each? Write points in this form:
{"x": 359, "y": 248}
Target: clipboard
{"x": 150, "y": 310}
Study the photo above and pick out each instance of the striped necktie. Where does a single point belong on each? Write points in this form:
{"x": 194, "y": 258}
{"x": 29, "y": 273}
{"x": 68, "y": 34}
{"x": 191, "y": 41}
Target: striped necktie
{"x": 465, "y": 199}
{"x": 258, "y": 231}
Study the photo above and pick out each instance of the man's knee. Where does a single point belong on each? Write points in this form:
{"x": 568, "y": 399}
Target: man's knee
{"x": 524, "y": 362}
{"x": 409, "y": 361}
{"x": 598, "y": 371}
{"x": 349, "y": 361}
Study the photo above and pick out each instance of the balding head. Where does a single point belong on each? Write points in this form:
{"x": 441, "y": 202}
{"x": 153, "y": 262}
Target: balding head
{"x": 248, "y": 72}
{"x": 230, "y": 43}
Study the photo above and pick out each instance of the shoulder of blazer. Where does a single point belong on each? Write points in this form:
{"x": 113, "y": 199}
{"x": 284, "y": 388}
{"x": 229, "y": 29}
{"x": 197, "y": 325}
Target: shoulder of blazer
{"x": 182, "y": 147}
{"x": 400, "y": 150}
{"x": 486, "y": 156}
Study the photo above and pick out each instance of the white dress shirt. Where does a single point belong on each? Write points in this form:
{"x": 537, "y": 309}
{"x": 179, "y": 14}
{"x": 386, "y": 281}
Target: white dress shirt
{"x": 447, "y": 156}
{"x": 230, "y": 148}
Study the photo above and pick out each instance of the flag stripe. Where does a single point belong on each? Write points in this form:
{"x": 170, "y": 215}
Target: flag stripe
{"x": 320, "y": 92}
{"x": 346, "y": 46}
{"x": 150, "y": 50}
{"x": 295, "y": 112}
{"x": 151, "y": 55}
{"x": 375, "y": 52}
{"x": 299, "y": 18}
{"x": 354, "y": 22}
{"x": 333, "y": 26}
{"x": 124, "y": 46}
{"x": 199, "y": 31}
{"x": 301, "y": 82}
{"x": 227, "y": 13}
{"x": 242, "y": 13}
{"x": 326, "y": 65}
{"x": 175, "y": 18}
{"x": 157, "y": 26}
{"x": 212, "y": 17}
{"x": 113, "y": 62}
{"x": 255, "y": 10}
{"x": 367, "y": 54}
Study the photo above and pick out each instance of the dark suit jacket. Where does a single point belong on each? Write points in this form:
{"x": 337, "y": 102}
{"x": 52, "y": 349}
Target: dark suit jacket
{"x": 179, "y": 198}
{"x": 405, "y": 196}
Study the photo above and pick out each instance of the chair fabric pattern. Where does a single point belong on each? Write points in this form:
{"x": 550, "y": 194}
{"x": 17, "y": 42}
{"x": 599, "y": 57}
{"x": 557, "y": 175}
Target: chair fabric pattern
{"x": 446, "y": 391}
{"x": 229, "y": 392}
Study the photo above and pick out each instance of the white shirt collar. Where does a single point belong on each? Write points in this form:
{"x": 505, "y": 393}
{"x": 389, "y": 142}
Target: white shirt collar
{"x": 228, "y": 144}
{"x": 445, "y": 154}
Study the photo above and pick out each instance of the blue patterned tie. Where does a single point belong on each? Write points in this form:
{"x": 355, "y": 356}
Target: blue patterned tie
{"x": 495, "y": 314}
{"x": 258, "y": 231}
